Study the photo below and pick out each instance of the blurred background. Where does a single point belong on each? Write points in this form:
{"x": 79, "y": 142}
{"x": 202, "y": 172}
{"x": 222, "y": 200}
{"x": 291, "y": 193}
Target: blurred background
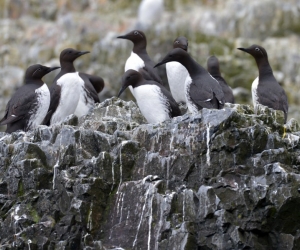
{"x": 35, "y": 31}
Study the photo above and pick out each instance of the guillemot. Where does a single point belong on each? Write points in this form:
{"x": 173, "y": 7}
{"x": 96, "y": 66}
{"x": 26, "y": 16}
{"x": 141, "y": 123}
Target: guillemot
{"x": 201, "y": 89}
{"x": 155, "y": 102}
{"x": 139, "y": 59}
{"x": 29, "y": 105}
{"x": 213, "y": 67}
{"x": 265, "y": 88}
{"x": 71, "y": 92}
{"x": 177, "y": 73}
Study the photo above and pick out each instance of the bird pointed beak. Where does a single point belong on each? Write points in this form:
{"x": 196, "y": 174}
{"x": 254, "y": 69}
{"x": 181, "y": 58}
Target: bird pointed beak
{"x": 185, "y": 47}
{"x": 243, "y": 49}
{"x": 83, "y": 52}
{"x": 53, "y": 68}
{"x": 122, "y": 90}
{"x": 122, "y": 37}
{"x": 158, "y": 64}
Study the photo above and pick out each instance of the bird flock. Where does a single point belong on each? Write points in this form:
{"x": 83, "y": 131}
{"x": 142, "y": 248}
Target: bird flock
{"x": 191, "y": 86}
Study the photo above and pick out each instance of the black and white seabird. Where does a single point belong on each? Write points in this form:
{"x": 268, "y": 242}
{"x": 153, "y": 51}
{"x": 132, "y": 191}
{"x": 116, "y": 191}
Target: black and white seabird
{"x": 177, "y": 73}
{"x": 155, "y": 102}
{"x": 201, "y": 89}
{"x": 139, "y": 59}
{"x": 71, "y": 92}
{"x": 29, "y": 105}
{"x": 214, "y": 69}
{"x": 265, "y": 88}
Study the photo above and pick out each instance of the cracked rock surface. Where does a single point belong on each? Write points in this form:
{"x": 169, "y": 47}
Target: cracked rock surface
{"x": 221, "y": 179}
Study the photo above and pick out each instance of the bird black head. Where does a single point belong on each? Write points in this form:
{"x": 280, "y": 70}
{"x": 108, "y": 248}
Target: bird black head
{"x": 176, "y": 55}
{"x": 69, "y": 55}
{"x": 181, "y": 42}
{"x": 130, "y": 77}
{"x": 37, "y": 71}
{"x": 213, "y": 65}
{"x": 137, "y": 37}
{"x": 256, "y": 51}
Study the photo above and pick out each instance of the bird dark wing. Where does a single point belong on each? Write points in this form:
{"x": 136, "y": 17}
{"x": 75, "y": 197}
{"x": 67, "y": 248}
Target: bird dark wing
{"x": 228, "y": 94}
{"x": 202, "y": 96}
{"x": 173, "y": 105}
{"x": 274, "y": 97}
{"x": 19, "y": 105}
{"x": 9, "y": 118}
{"x": 152, "y": 73}
{"x": 54, "y": 101}
{"x": 217, "y": 89}
{"x": 89, "y": 86}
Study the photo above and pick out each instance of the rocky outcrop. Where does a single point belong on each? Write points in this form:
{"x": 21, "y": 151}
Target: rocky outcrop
{"x": 221, "y": 179}
{"x": 37, "y": 31}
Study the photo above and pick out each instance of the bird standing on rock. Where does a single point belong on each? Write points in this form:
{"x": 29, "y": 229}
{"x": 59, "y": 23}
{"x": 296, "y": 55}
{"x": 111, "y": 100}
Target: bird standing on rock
{"x": 177, "y": 73}
{"x": 155, "y": 102}
{"x": 139, "y": 59}
{"x": 71, "y": 91}
{"x": 201, "y": 89}
{"x": 214, "y": 69}
{"x": 29, "y": 105}
{"x": 265, "y": 88}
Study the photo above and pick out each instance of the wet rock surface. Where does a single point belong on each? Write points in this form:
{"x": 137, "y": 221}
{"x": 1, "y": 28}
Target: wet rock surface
{"x": 221, "y": 179}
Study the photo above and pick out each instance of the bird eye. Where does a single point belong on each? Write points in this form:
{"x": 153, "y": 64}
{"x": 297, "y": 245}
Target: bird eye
{"x": 127, "y": 78}
{"x": 135, "y": 32}
{"x": 177, "y": 42}
{"x": 257, "y": 49}
{"x": 70, "y": 52}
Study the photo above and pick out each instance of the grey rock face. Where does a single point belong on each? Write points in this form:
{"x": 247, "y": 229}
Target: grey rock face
{"x": 221, "y": 179}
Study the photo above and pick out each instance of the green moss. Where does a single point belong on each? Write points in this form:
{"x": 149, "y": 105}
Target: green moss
{"x": 34, "y": 214}
{"x": 33, "y": 151}
{"x": 20, "y": 189}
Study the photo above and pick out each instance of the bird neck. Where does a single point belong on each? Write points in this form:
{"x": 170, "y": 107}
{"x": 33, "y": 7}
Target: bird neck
{"x": 140, "y": 47}
{"x": 29, "y": 80}
{"x": 191, "y": 65}
{"x": 67, "y": 67}
{"x": 264, "y": 68}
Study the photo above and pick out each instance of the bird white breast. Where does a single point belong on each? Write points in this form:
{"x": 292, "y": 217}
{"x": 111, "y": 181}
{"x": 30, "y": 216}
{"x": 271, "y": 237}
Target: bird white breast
{"x": 43, "y": 103}
{"x": 177, "y": 75}
{"x": 70, "y": 92}
{"x": 85, "y": 103}
{"x": 152, "y": 103}
{"x": 134, "y": 62}
{"x": 254, "y": 93}
{"x": 190, "y": 104}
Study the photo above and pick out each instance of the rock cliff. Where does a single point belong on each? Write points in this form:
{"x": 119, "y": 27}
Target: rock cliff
{"x": 222, "y": 179}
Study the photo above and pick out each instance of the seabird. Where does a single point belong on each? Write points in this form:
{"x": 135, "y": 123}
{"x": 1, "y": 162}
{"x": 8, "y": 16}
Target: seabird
{"x": 265, "y": 88}
{"x": 177, "y": 73}
{"x": 155, "y": 102}
{"x": 29, "y": 105}
{"x": 201, "y": 89}
{"x": 214, "y": 69}
{"x": 71, "y": 92}
{"x": 139, "y": 59}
